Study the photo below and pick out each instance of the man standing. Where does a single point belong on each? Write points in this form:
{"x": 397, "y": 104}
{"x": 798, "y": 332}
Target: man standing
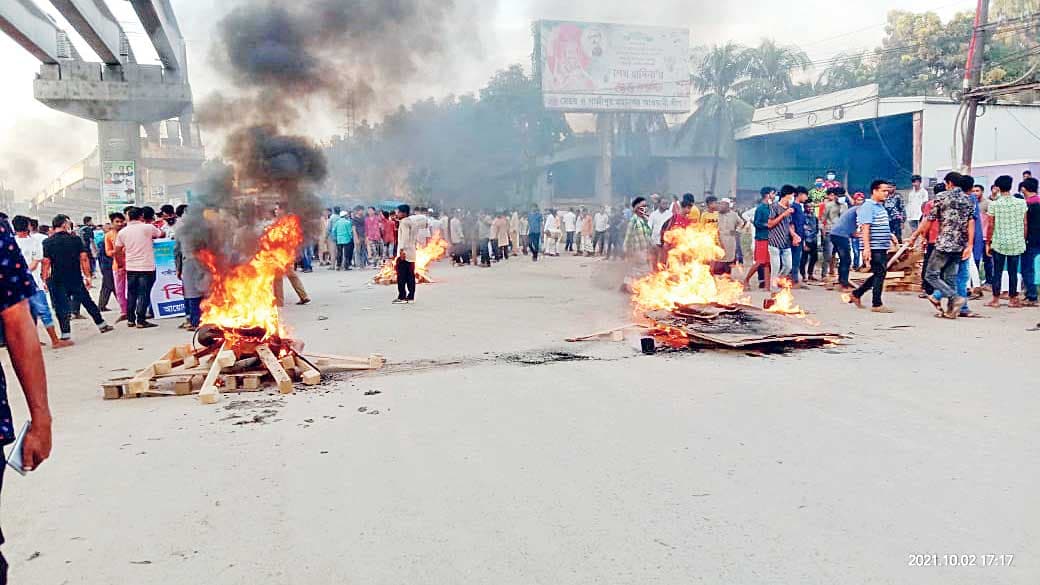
{"x": 108, "y": 284}
{"x": 408, "y": 227}
{"x": 833, "y": 208}
{"x": 1029, "y": 187}
{"x": 819, "y": 191}
{"x": 657, "y": 220}
{"x": 601, "y": 224}
{"x": 570, "y": 225}
{"x": 810, "y": 243}
{"x": 458, "y": 238}
{"x": 953, "y": 211}
{"x": 324, "y": 249}
{"x": 761, "y": 223}
{"x": 23, "y": 346}
{"x": 641, "y": 255}
{"x": 1007, "y": 243}
{"x": 374, "y": 233}
{"x": 135, "y": 242}
{"x": 876, "y": 235}
{"x": 896, "y": 214}
{"x": 801, "y": 196}
{"x": 343, "y": 232}
{"x": 67, "y": 274}
{"x": 782, "y": 235}
{"x": 552, "y": 233}
{"x": 501, "y": 229}
{"x": 32, "y": 252}
{"x": 360, "y": 238}
{"x": 730, "y": 224}
{"x": 841, "y": 231}
{"x": 915, "y": 201}
{"x": 86, "y": 233}
{"x": 118, "y": 261}
{"x": 534, "y": 231}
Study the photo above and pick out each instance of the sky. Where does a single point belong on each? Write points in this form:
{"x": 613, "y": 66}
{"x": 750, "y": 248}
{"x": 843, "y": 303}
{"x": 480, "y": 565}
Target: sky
{"x": 37, "y": 143}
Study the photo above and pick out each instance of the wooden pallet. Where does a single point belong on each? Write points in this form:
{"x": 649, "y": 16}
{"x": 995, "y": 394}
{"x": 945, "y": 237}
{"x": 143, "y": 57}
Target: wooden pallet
{"x": 209, "y": 372}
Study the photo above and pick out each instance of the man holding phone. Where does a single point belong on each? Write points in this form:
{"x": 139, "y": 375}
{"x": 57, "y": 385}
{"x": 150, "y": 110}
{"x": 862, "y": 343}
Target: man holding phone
{"x": 23, "y": 345}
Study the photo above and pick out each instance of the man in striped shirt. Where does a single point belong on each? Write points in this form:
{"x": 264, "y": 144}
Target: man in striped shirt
{"x": 876, "y": 237}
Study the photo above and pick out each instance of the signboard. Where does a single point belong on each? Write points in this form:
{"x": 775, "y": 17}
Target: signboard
{"x": 118, "y": 183}
{"x": 168, "y": 291}
{"x": 599, "y": 67}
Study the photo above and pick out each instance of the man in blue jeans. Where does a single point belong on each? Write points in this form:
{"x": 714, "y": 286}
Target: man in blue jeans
{"x": 841, "y": 241}
{"x": 534, "y": 231}
{"x": 1029, "y": 189}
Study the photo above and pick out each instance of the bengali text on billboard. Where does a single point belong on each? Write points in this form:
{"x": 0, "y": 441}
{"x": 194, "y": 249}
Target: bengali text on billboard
{"x": 118, "y": 182}
{"x": 597, "y": 67}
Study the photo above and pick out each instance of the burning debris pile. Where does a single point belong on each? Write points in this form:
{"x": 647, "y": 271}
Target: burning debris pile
{"x": 687, "y": 305}
{"x": 435, "y": 249}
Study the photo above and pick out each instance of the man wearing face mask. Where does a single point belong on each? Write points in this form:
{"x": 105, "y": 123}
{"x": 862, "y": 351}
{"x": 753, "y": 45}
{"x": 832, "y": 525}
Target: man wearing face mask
{"x": 818, "y": 193}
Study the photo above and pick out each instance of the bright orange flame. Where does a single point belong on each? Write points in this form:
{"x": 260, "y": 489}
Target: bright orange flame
{"x": 686, "y": 278}
{"x": 435, "y": 249}
{"x": 783, "y": 300}
{"x": 242, "y": 296}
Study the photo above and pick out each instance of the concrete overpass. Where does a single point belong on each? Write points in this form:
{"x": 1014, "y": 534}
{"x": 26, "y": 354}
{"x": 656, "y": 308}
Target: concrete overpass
{"x": 118, "y": 93}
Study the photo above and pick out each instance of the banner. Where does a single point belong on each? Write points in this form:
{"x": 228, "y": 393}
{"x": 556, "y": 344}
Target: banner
{"x": 600, "y": 67}
{"x": 118, "y": 183}
{"x": 168, "y": 292}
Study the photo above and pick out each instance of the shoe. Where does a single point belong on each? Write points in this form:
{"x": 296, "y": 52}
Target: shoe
{"x": 1028, "y": 303}
{"x": 854, "y": 300}
{"x": 146, "y": 325}
{"x": 398, "y": 302}
{"x": 131, "y": 324}
{"x": 303, "y": 301}
{"x": 956, "y": 304}
{"x": 410, "y": 301}
{"x": 1015, "y": 303}
{"x": 105, "y": 328}
{"x": 184, "y": 325}
{"x": 881, "y": 309}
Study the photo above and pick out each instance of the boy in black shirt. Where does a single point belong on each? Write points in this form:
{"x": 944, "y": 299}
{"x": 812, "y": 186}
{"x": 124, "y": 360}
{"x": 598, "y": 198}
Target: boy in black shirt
{"x": 68, "y": 275}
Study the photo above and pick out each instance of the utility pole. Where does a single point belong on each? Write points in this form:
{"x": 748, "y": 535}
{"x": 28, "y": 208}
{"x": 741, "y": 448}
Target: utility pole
{"x": 973, "y": 78}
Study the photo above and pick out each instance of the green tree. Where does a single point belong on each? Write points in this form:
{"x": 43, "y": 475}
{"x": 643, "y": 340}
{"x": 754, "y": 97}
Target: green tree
{"x": 846, "y": 70}
{"x": 770, "y": 71}
{"x": 719, "y": 79}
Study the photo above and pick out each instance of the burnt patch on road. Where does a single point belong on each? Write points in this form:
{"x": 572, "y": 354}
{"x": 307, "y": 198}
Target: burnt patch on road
{"x": 538, "y": 358}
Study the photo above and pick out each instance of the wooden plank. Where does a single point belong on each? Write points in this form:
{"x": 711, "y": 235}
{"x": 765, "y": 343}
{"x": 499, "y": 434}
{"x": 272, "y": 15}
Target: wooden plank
{"x": 182, "y": 386}
{"x": 226, "y": 358}
{"x": 209, "y": 393}
{"x": 162, "y": 367}
{"x": 141, "y": 382}
{"x": 601, "y": 333}
{"x": 230, "y": 383}
{"x": 275, "y": 367}
{"x": 308, "y": 374}
{"x": 112, "y": 391}
{"x": 288, "y": 363}
{"x": 251, "y": 382}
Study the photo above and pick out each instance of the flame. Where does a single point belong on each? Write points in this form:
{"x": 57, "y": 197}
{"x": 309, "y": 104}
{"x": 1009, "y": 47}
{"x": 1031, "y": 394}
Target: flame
{"x": 783, "y": 301}
{"x": 435, "y": 249}
{"x": 686, "y": 277}
{"x": 242, "y": 296}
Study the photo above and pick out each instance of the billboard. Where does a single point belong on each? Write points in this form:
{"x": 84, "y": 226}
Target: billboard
{"x": 118, "y": 182}
{"x": 600, "y": 67}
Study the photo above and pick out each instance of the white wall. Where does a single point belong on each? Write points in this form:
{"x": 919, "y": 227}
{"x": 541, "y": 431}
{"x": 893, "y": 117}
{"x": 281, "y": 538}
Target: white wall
{"x": 1002, "y": 133}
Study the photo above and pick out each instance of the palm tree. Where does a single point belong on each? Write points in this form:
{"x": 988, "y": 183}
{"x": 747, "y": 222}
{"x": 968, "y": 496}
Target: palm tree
{"x": 770, "y": 69}
{"x": 719, "y": 79}
{"x": 846, "y": 70}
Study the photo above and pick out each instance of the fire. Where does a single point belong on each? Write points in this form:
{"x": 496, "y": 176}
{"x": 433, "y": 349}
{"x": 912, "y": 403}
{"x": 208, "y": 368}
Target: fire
{"x": 783, "y": 301}
{"x": 686, "y": 278}
{"x": 242, "y": 297}
{"x": 435, "y": 249}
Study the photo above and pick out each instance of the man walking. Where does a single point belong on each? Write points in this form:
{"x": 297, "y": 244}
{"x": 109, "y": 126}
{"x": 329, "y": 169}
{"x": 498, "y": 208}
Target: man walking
{"x": 67, "y": 274}
{"x": 953, "y": 211}
{"x": 534, "y": 231}
{"x": 118, "y": 262}
{"x": 761, "y": 253}
{"x": 407, "y": 231}
{"x": 135, "y": 242}
{"x": 1007, "y": 243}
{"x": 877, "y": 237}
{"x": 601, "y": 224}
{"x": 841, "y": 232}
{"x": 343, "y": 232}
{"x": 801, "y": 195}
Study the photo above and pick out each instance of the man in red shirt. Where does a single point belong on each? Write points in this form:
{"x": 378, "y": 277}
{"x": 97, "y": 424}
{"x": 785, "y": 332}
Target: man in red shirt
{"x": 930, "y": 237}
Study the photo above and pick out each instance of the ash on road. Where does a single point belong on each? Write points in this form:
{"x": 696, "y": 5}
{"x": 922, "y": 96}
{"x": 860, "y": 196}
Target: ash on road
{"x": 501, "y": 454}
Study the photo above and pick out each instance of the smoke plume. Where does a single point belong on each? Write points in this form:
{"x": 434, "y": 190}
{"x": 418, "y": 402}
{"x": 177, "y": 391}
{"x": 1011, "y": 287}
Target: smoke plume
{"x": 282, "y": 59}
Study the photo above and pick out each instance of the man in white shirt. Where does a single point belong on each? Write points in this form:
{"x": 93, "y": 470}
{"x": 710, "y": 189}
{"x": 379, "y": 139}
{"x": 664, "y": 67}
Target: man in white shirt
{"x": 570, "y": 225}
{"x": 32, "y": 251}
{"x": 915, "y": 199}
{"x": 552, "y": 234}
{"x": 600, "y": 223}
{"x": 658, "y": 218}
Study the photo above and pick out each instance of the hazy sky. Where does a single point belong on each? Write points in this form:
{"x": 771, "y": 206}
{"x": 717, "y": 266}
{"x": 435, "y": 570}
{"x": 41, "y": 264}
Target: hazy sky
{"x": 37, "y": 143}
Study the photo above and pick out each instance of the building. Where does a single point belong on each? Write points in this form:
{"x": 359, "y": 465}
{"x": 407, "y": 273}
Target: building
{"x": 863, "y": 136}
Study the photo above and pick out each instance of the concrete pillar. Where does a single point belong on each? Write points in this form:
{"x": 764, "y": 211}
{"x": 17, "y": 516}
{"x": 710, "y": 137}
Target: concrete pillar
{"x": 918, "y": 142}
{"x": 120, "y": 142}
{"x": 605, "y": 166}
